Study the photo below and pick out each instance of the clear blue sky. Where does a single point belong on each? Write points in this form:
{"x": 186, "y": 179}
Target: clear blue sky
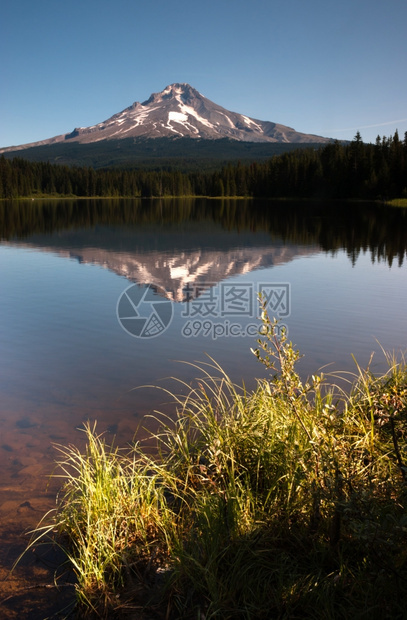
{"x": 320, "y": 66}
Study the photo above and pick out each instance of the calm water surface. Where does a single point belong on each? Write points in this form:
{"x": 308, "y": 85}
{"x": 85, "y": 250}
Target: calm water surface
{"x": 340, "y": 273}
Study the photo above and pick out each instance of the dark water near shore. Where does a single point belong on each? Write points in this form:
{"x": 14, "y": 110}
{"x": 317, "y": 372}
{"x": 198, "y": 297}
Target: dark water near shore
{"x": 336, "y": 275}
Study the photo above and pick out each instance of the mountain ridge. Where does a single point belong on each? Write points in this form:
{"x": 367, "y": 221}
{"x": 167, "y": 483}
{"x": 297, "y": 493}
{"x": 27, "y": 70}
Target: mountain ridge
{"x": 178, "y": 111}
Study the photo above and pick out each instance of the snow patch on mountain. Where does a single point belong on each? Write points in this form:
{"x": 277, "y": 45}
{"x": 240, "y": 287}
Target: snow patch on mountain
{"x": 199, "y": 118}
{"x": 250, "y": 121}
{"x": 230, "y": 123}
{"x": 177, "y": 116}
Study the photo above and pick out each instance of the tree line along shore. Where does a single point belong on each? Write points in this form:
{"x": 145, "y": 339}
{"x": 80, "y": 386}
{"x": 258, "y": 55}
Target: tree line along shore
{"x": 335, "y": 171}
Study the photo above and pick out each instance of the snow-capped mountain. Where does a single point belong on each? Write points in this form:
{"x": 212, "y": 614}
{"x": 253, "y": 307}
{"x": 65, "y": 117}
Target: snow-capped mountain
{"x": 180, "y": 111}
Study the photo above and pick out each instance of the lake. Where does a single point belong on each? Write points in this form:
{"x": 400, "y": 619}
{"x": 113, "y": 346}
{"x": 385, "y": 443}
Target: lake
{"x": 101, "y": 297}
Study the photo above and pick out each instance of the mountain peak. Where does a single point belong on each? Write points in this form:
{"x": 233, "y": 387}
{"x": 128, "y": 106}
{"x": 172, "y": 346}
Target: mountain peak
{"x": 179, "y": 92}
{"x": 181, "y": 111}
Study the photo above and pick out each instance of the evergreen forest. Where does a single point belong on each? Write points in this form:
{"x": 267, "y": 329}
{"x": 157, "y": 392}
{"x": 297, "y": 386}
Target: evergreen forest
{"x": 356, "y": 170}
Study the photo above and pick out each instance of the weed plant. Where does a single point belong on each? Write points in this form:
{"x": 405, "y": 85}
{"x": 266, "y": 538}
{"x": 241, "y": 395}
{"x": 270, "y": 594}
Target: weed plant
{"x": 288, "y": 501}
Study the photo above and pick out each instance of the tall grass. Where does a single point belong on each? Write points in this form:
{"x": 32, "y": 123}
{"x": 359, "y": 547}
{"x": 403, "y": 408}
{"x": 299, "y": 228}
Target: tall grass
{"x": 288, "y": 501}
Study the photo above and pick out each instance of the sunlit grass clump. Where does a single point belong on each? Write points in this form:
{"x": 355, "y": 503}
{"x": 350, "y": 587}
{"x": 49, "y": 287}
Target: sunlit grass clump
{"x": 288, "y": 501}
